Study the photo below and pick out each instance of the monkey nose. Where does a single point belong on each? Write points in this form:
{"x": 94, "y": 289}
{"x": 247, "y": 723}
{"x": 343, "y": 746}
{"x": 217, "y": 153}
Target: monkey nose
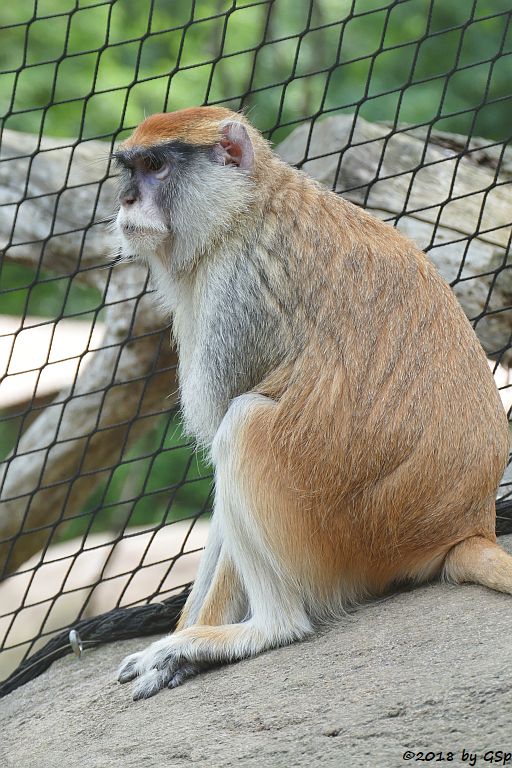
{"x": 128, "y": 198}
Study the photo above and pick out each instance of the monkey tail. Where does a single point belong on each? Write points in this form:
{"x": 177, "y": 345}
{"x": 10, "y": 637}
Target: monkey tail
{"x": 480, "y": 561}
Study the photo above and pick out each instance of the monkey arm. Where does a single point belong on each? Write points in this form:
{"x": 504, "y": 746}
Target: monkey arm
{"x": 222, "y": 631}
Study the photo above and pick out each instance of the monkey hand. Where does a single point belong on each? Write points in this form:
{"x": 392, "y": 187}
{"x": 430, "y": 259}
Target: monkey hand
{"x": 162, "y": 664}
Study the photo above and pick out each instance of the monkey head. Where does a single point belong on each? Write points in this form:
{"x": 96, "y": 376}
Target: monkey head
{"x": 186, "y": 178}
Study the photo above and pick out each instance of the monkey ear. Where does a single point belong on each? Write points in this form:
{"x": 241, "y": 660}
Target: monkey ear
{"x": 235, "y": 146}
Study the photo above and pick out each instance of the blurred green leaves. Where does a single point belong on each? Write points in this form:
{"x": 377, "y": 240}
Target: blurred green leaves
{"x": 93, "y": 69}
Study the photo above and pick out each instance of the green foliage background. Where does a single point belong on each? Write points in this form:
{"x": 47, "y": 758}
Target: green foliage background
{"x": 92, "y": 69}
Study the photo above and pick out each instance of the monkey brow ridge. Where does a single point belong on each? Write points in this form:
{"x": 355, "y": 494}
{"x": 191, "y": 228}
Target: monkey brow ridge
{"x": 157, "y": 154}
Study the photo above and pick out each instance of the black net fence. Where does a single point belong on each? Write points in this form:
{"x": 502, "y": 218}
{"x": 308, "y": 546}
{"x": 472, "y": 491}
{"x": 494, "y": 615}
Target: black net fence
{"x": 404, "y": 107}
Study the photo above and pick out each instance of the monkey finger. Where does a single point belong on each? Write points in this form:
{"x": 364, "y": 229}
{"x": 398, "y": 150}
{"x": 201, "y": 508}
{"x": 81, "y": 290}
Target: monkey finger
{"x": 151, "y": 682}
{"x": 184, "y": 672}
{"x": 128, "y": 669}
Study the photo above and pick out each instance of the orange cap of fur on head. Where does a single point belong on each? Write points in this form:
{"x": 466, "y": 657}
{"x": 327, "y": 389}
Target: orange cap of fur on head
{"x": 196, "y": 125}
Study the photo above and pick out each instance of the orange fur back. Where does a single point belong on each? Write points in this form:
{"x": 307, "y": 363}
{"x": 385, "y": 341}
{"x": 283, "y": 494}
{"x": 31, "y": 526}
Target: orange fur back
{"x": 389, "y": 439}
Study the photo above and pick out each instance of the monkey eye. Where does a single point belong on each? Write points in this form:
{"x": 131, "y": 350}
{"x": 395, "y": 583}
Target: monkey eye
{"x": 155, "y": 166}
{"x": 162, "y": 171}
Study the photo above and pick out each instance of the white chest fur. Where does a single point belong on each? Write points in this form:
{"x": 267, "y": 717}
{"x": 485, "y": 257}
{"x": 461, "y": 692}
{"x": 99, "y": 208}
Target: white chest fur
{"x": 202, "y": 401}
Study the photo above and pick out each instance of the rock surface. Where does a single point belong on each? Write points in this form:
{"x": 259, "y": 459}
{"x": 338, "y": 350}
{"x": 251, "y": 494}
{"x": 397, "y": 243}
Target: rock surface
{"x": 429, "y": 669}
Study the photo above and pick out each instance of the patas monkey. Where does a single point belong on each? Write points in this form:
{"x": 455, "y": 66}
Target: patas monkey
{"x": 356, "y": 432}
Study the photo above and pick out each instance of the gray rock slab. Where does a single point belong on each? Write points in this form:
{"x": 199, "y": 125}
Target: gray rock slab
{"x": 428, "y": 670}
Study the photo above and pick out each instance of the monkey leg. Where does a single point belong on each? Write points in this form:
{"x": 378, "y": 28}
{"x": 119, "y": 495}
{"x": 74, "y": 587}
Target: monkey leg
{"x": 479, "y": 561}
{"x": 224, "y": 602}
{"x": 206, "y": 605}
{"x": 276, "y": 614}
{"x": 217, "y": 597}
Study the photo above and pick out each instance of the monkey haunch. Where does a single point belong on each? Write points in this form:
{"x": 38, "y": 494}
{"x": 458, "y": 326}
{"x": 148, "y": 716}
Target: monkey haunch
{"x": 356, "y": 432}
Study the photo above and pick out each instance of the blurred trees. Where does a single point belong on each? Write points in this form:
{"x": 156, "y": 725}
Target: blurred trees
{"x": 86, "y": 68}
